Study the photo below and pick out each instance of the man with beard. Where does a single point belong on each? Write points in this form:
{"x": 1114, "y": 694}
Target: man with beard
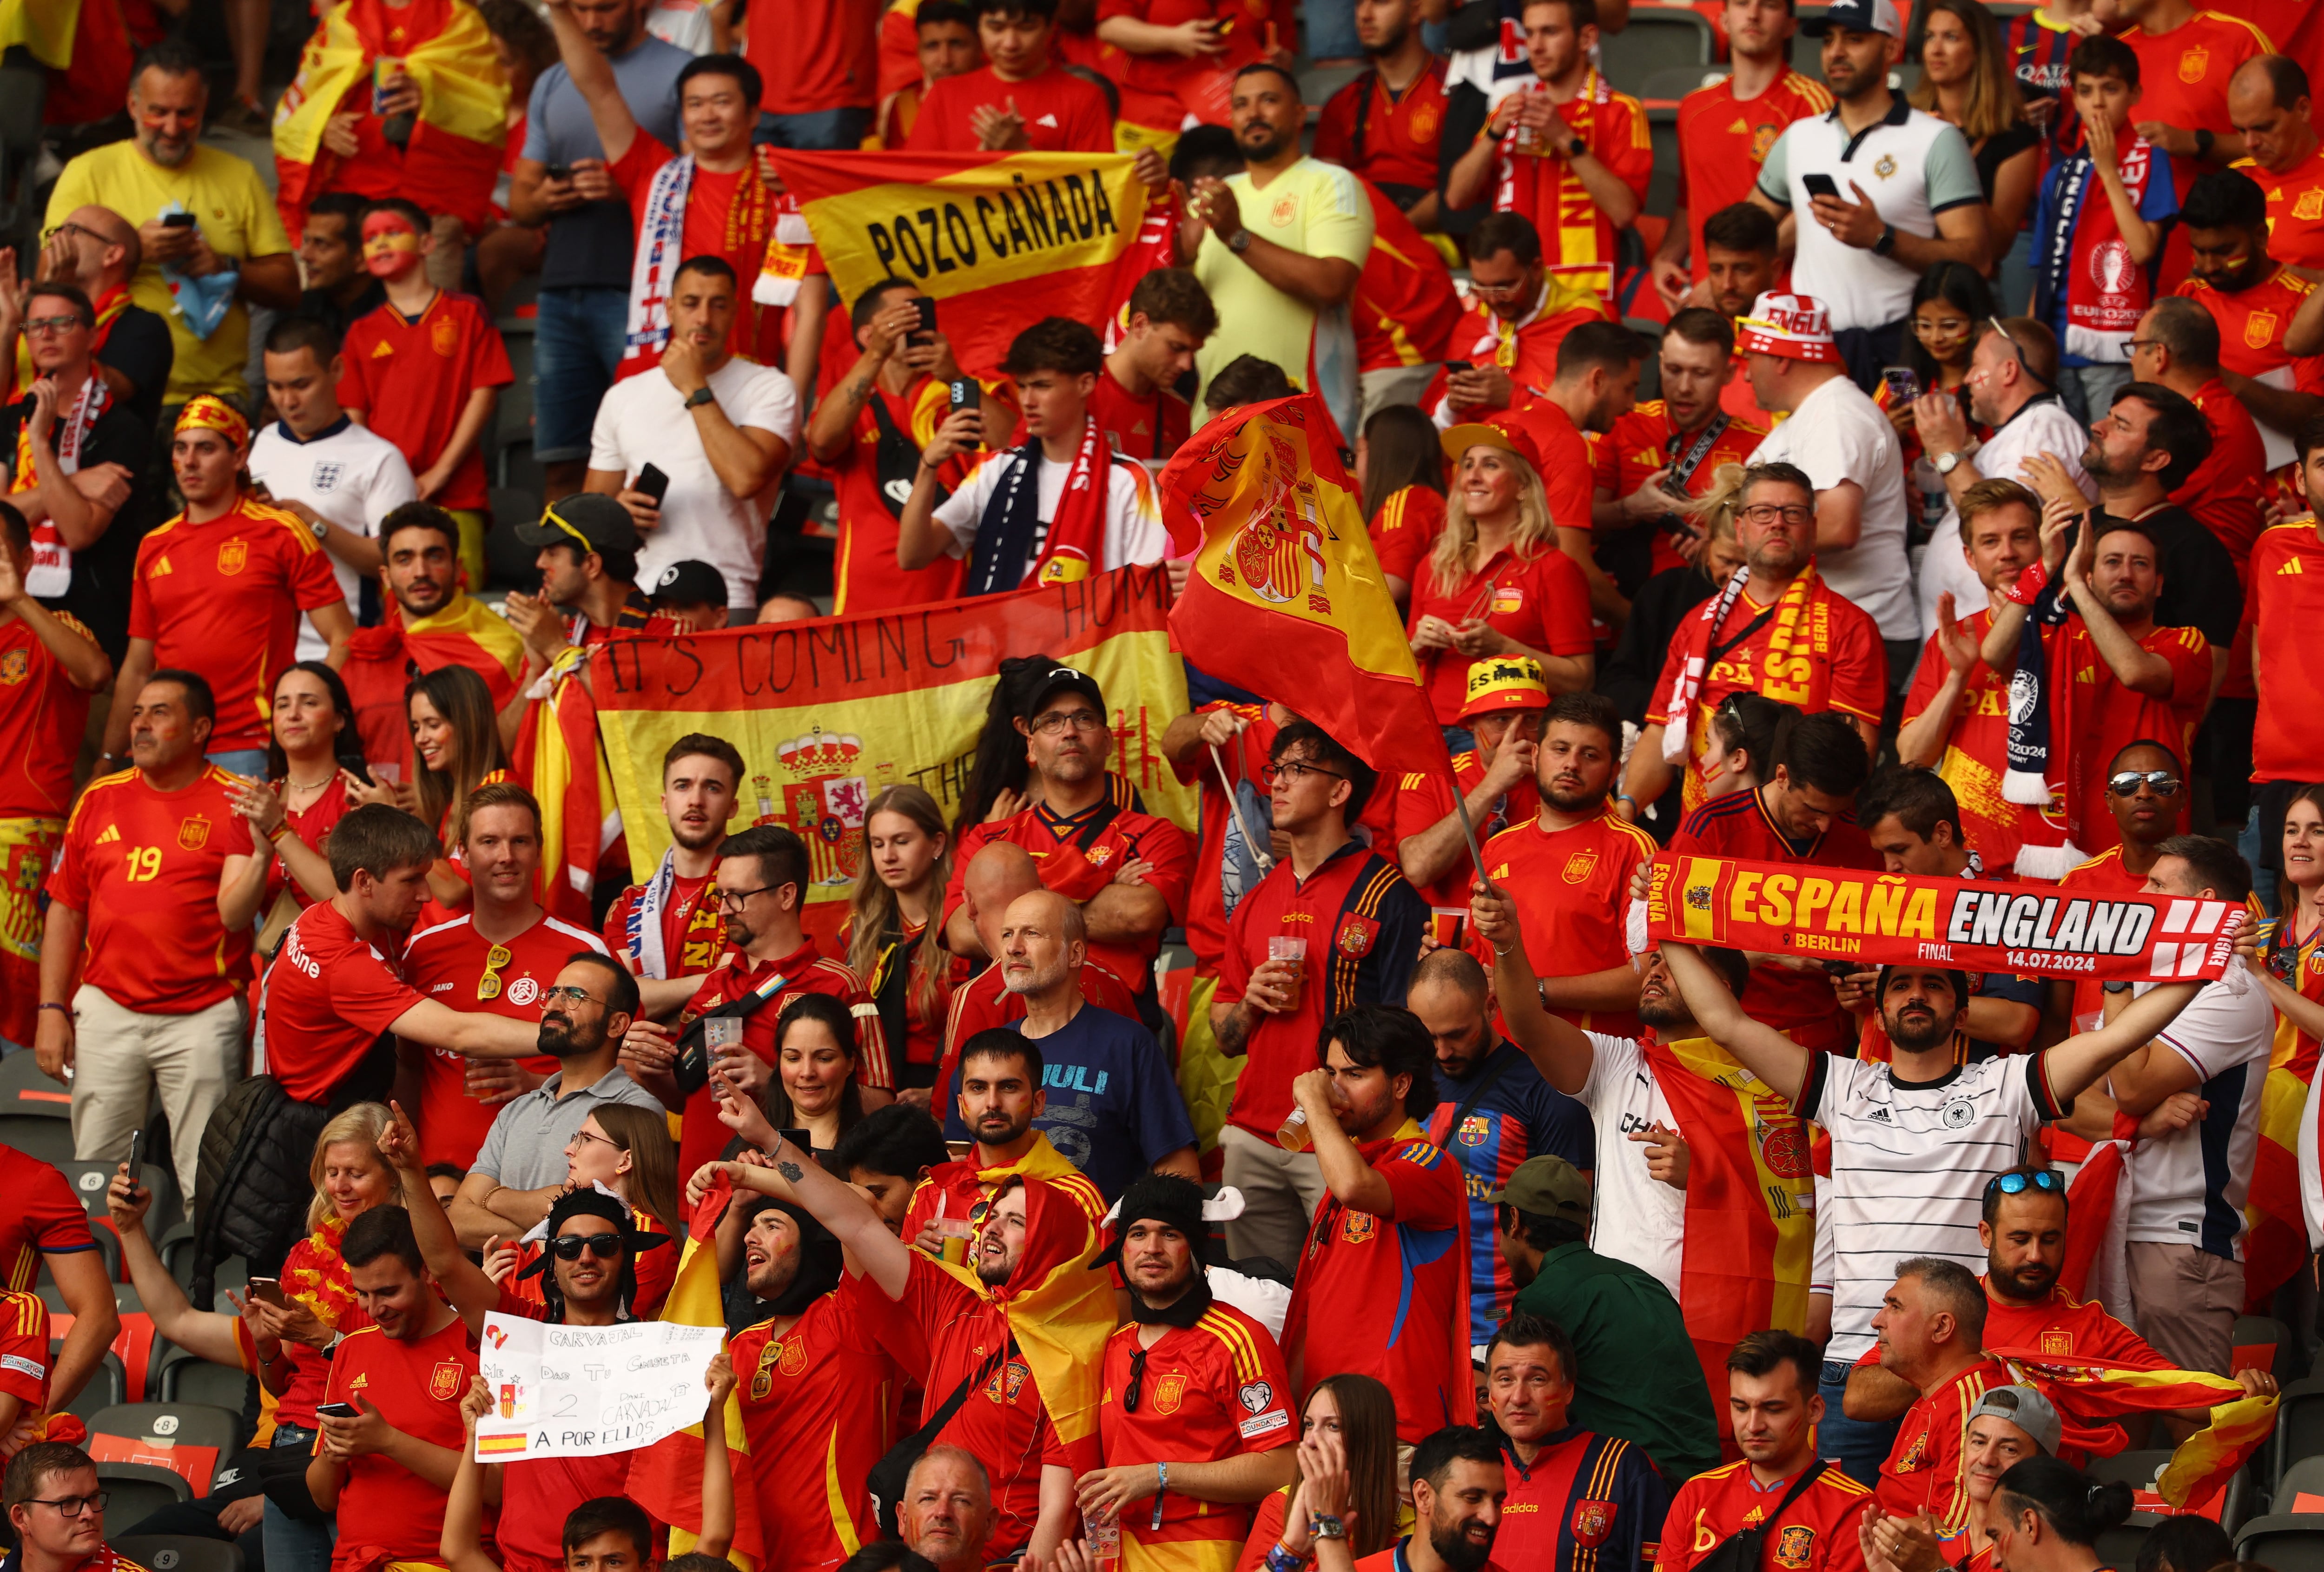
{"x": 2270, "y": 318}
{"x": 332, "y": 1008}
{"x": 2024, "y": 1232}
{"x": 667, "y": 930}
{"x": 1117, "y": 1112}
{"x": 1774, "y": 1410}
{"x": 1197, "y": 1411}
{"x": 886, "y": 1153}
{"x": 1742, "y": 252}
{"x": 1913, "y": 1140}
{"x": 2146, "y": 793}
{"x": 1511, "y": 332}
{"x": 1460, "y": 1490}
{"x": 1000, "y": 1096}
{"x": 500, "y": 955}
{"x": 1386, "y": 126}
{"x": 958, "y": 1327}
{"x": 585, "y": 547}
{"x": 771, "y": 960}
{"x": 520, "y": 1168}
{"x": 430, "y": 623}
{"x": 1577, "y": 1499}
{"x": 2177, "y": 345}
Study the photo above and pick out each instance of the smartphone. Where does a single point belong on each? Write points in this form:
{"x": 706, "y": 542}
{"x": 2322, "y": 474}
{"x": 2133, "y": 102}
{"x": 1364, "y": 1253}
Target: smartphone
{"x": 338, "y": 1410}
{"x": 927, "y": 310}
{"x": 267, "y": 1290}
{"x": 559, "y": 171}
{"x": 1819, "y": 185}
{"x": 177, "y": 221}
{"x": 1903, "y": 384}
{"x": 136, "y": 1155}
{"x": 653, "y": 483}
{"x": 963, "y": 393}
{"x": 1458, "y": 369}
{"x": 1839, "y": 968}
{"x": 798, "y": 1138}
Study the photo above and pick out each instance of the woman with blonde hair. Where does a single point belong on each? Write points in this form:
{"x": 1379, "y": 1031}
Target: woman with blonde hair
{"x": 1360, "y": 1411}
{"x": 893, "y": 939}
{"x": 286, "y": 1324}
{"x": 1496, "y": 582}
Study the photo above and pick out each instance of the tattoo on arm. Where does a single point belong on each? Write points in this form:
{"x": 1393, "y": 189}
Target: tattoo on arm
{"x": 1234, "y": 1030}
{"x": 790, "y": 1171}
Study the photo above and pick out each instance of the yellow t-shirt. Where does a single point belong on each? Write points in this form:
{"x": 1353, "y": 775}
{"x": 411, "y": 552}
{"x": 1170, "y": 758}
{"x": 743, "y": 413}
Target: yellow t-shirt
{"x": 1315, "y": 208}
{"x": 237, "y": 217}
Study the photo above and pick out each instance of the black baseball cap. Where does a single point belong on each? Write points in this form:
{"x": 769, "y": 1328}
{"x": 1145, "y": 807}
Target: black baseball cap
{"x": 690, "y": 583}
{"x": 1062, "y": 679}
{"x": 587, "y": 518}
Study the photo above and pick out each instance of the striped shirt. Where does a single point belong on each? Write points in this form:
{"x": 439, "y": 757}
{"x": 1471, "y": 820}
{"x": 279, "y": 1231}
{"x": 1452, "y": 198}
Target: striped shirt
{"x": 1909, "y": 1164}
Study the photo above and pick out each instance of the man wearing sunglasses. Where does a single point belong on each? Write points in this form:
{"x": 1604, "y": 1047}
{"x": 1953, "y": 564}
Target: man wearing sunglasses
{"x": 2146, "y": 795}
{"x": 1197, "y": 1422}
{"x": 57, "y": 1511}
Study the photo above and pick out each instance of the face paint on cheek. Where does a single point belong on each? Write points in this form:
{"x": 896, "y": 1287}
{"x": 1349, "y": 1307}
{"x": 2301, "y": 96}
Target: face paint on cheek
{"x": 390, "y": 247}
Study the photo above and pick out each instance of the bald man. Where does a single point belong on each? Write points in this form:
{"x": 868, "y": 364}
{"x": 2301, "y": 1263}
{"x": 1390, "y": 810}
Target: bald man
{"x": 97, "y": 250}
{"x": 2268, "y": 104}
{"x": 1111, "y": 1107}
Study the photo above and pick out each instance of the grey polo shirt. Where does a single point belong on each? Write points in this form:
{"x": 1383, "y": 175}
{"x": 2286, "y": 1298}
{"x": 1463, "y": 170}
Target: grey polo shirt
{"x": 525, "y": 1148}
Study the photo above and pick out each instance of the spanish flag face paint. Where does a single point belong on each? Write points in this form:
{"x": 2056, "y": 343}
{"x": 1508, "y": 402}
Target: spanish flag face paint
{"x": 391, "y": 245}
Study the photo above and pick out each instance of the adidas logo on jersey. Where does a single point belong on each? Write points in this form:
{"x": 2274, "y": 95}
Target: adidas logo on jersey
{"x": 111, "y": 833}
{"x": 1048, "y": 120}
{"x": 2292, "y": 567}
{"x": 380, "y": 348}
{"x": 160, "y": 566}
{"x": 1879, "y": 1116}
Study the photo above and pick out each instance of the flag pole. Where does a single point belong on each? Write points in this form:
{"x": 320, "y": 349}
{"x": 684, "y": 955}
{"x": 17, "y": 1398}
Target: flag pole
{"x": 1469, "y": 834}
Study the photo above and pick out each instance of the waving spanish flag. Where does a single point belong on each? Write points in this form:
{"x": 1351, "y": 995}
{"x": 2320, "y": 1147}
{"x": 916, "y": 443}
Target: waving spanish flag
{"x": 454, "y": 154}
{"x": 2090, "y": 1394}
{"x": 381, "y": 661}
{"x": 1001, "y": 239}
{"x": 559, "y": 754}
{"x": 1286, "y": 599}
{"x": 2275, "y": 1240}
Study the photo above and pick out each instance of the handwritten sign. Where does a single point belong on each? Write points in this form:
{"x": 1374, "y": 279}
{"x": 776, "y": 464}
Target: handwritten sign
{"x": 584, "y": 1392}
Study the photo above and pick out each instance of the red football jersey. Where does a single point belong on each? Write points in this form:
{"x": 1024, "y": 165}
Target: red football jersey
{"x": 2182, "y": 79}
{"x": 454, "y": 964}
{"x": 1388, "y": 1297}
{"x": 1572, "y": 890}
{"x": 1078, "y": 872}
{"x": 821, "y": 56}
{"x": 223, "y": 599}
{"x": 959, "y": 1188}
{"x": 816, "y": 1403}
{"x": 386, "y": 1512}
{"x": 1206, "y": 1392}
{"x": 44, "y": 1217}
{"x": 1977, "y": 750}
{"x": 143, "y": 866}
{"x": 1389, "y": 138}
{"x": 2295, "y": 210}
{"x": 1542, "y": 601}
{"x": 729, "y": 215}
{"x": 2103, "y": 874}
{"x": 2110, "y": 717}
{"x": 1577, "y": 239}
{"x": 409, "y": 377}
{"x": 1244, "y": 759}
{"x": 2226, "y": 491}
{"x": 41, "y": 718}
{"x": 24, "y": 1352}
{"x": 1422, "y": 799}
{"x": 1525, "y": 348}
{"x": 328, "y": 998}
{"x": 1163, "y": 88}
{"x": 693, "y": 934}
{"x": 1645, "y": 441}
{"x": 1722, "y": 141}
{"x": 2283, "y": 605}
{"x": 864, "y": 575}
{"x": 1922, "y": 1472}
{"x": 1062, "y": 112}
{"x": 1405, "y": 529}
{"x": 2061, "y": 1324}
{"x": 1405, "y": 311}
{"x": 2251, "y": 328}
{"x": 1144, "y": 429}
{"x": 1815, "y": 1533}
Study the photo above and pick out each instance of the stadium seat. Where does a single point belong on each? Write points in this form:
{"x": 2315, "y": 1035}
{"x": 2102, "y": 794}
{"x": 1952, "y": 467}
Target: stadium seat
{"x": 107, "y": 1387}
{"x": 189, "y": 1438}
{"x": 177, "y": 1553}
{"x": 1675, "y": 82}
{"x": 2299, "y": 1425}
{"x": 1662, "y": 186}
{"x": 2265, "y": 1343}
{"x": 2284, "y": 1541}
{"x": 2135, "y": 1469}
{"x": 89, "y": 1182}
{"x": 188, "y": 1378}
{"x": 1657, "y": 39}
{"x": 36, "y": 1135}
{"x": 1807, "y": 48}
{"x": 27, "y": 1092}
{"x": 136, "y": 1491}
{"x": 2304, "y": 1477}
{"x": 176, "y": 1248}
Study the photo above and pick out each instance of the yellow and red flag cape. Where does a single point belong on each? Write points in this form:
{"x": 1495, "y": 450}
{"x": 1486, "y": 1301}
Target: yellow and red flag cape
{"x": 466, "y": 633}
{"x": 2276, "y": 1238}
{"x": 1286, "y": 599}
{"x": 558, "y": 755}
{"x": 454, "y": 152}
{"x": 2090, "y": 1394}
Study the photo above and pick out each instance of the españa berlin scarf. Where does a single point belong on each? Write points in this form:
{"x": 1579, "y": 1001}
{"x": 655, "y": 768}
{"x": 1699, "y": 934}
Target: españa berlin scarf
{"x": 1705, "y": 649}
{"x": 50, "y": 572}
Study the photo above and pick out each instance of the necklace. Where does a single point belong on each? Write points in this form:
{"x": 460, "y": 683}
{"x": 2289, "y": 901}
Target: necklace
{"x": 309, "y": 785}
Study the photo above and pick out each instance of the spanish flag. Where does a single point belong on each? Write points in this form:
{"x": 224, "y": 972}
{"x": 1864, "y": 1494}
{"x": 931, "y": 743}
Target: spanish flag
{"x": 382, "y": 660}
{"x": 557, "y": 752}
{"x": 2089, "y": 1394}
{"x": 2275, "y": 1241}
{"x": 1286, "y": 599}
{"x": 455, "y": 152}
{"x": 665, "y": 1478}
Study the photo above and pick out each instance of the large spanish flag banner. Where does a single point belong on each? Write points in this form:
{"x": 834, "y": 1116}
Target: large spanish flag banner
{"x": 2090, "y": 1394}
{"x": 1001, "y": 240}
{"x": 1285, "y": 598}
{"x": 1965, "y": 925}
{"x": 828, "y": 713}
{"x": 455, "y": 152}
{"x": 2275, "y": 1237}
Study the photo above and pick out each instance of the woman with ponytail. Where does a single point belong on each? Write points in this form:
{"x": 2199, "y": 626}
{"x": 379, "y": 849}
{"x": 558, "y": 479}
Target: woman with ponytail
{"x": 2047, "y": 1517}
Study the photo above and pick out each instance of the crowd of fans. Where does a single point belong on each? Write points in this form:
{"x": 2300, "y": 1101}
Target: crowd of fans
{"x": 1369, "y": 1241}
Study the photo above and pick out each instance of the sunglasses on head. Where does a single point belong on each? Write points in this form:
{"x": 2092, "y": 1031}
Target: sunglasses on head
{"x": 2017, "y": 1184}
{"x": 569, "y": 1246}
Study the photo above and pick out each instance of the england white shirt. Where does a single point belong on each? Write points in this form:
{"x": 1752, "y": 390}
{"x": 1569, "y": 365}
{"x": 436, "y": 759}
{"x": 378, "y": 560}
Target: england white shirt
{"x": 350, "y": 476}
{"x": 1909, "y": 1165}
{"x": 1133, "y": 518}
{"x": 2188, "y": 1187}
{"x": 644, "y": 420}
{"x": 2040, "y": 427}
{"x": 1839, "y": 434}
{"x": 1637, "y": 1218}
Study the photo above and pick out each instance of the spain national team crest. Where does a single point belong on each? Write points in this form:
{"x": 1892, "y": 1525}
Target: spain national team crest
{"x": 1916, "y": 1455}
{"x": 1357, "y": 1226}
{"x": 444, "y": 337}
{"x": 1476, "y": 1130}
{"x": 194, "y": 833}
{"x": 2193, "y": 64}
{"x": 1579, "y": 866}
{"x": 1795, "y": 1545}
{"x": 1763, "y": 137}
{"x": 1169, "y": 1392}
{"x": 1592, "y": 1521}
{"x": 234, "y": 556}
{"x": 2259, "y": 329}
{"x": 1425, "y": 121}
{"x": 823, "y": 800}
{"x": 14, "y": 667}
{"x": 447, "y": 1381}
{"x": 2311, "y": 204}
{"x": 1355, "y": 937}
{"x": 2057, "y": 1342}
{"x": 794, "y": 1357}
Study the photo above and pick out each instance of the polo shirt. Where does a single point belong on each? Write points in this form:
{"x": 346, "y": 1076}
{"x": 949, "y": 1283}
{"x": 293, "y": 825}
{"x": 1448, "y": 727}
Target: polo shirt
{"x": 1913, "y": 165}
{"x": 1837, "y": 433}
{"x": 1626, "y": 1327}
{"x": 525, "y": 1148}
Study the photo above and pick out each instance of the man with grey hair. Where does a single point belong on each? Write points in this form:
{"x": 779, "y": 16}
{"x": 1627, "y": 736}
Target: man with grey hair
{"x": 1930, "y": 1327}
{"x": 946, "y": 1512}
{"x": 2176, "y": 346}
{"x": 1112, "y": 1108}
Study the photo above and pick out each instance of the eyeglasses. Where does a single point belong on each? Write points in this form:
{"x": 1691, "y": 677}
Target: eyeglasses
{"x": 69, "y": 227}
{"x": 2125, "y": 783}
{"x": 1137, "y": 1376}
{"x": 2017, "y": 1184}
{"x": 732, "y": 900}
{"x": 564, "y": 994}
{"x": 585, "y": 1136}
{"x": 488, "y": 987}
{"x": 43, "y": 326}
{"x": 1056, "y": 721}
{"x": 569, "y": 1246}
{"x": 2138, "y": 344}
{"x": 1296, "y": 771}
{"x": 1769, "y": 512}
{"x": 72, "y": 1506}
{"x": 2019, "y": 355}
{"x": 1508, "y": 290}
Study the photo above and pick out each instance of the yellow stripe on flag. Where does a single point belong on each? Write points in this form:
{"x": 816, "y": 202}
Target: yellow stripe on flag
{"x": 496, "y": 1446}
{"x": 1699, "y": 920}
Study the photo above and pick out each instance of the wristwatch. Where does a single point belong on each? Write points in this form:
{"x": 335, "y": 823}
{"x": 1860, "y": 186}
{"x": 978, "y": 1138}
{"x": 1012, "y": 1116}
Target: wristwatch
{"x": 1946, "y": 463}
{"x": 2116, "y": 985}
{"x": 2204, "y": 141}
{"x": 1886, "y": 243}
{"x": 1577, "y": 147}
{"x": 700, "y": 396}
{"x": 1239, "y": 242}
{"x": 321, "y": 526}
{"x": 1324, "y": 1526}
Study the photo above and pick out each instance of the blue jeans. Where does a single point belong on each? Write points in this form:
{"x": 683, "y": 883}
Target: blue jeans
{"x": 242, "y": 761}
{"x": 1858, "y": 1446}
{"x": 824, "y": 129}
{"x": 1330, "y": 31}
{"x": 576, "y": 347}
{"x": 292, "y": 1546}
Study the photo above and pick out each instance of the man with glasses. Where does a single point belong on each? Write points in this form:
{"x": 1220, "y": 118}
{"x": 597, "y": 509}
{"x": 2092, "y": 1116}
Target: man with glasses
{"x": 55, "y": 1505}
{"x": 2013, "y": 374}
{"x": 1093, "y": 840}
{"x": 1333, "y": 925}
{"x": 1518, "y": 317}
{"x": 97, "y": 250}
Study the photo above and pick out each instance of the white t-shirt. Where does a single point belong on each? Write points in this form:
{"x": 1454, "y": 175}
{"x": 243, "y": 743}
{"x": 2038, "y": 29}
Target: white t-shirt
{"x": 1637, "y": 1217}
{"x": 1839, "y": 434}
{"x": 2188, "y": 1187}
{"x": 1133, "y": 518}
{"x": 1909, "y": 1166}
{"x": 644, "y": 420}
{"x": 349, "y": 474}
{"x": 685, "y": 23}
{"x": 2043, "y": 426}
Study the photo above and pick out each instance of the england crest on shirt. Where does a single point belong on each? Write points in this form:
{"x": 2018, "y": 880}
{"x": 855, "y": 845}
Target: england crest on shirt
{"x": 326, "y": 473}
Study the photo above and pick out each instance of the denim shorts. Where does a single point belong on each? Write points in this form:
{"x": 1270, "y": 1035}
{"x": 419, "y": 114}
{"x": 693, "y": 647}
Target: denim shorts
{"x": 576, "y": 347}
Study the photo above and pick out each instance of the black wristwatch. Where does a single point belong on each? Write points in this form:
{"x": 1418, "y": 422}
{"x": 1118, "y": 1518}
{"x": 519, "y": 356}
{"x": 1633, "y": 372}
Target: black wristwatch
{"x": 1886, "y": 245}
{"x": 700, "y": 396}
{"x": 2116, "y": 985}
{"x": 2204, "y": 141}
{"x": 1577, "y": 147}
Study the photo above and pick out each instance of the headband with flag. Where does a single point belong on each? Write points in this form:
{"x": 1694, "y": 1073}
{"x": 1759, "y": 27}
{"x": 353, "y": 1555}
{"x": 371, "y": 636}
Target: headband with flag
{"x": 208, "y": 412}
